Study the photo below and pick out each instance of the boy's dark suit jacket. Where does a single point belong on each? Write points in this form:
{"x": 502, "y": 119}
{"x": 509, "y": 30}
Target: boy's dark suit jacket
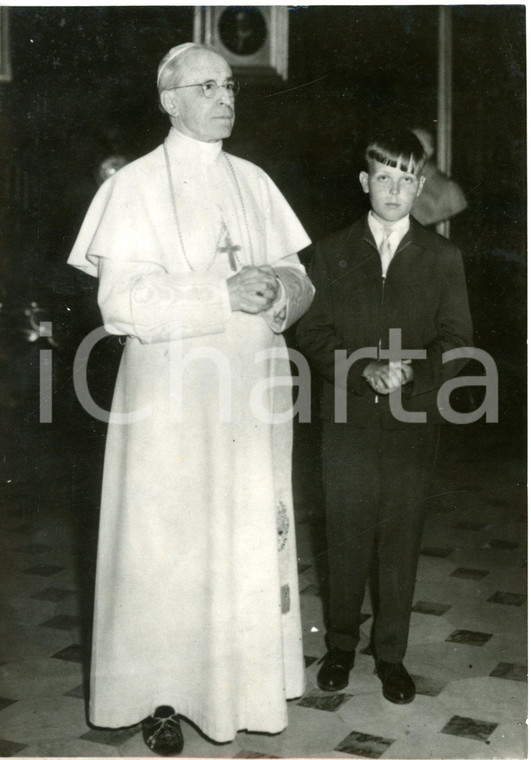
{"x": 424, "y": 294}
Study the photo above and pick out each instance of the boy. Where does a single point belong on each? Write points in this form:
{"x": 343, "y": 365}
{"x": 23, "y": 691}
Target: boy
{"x": 385, "y": 271}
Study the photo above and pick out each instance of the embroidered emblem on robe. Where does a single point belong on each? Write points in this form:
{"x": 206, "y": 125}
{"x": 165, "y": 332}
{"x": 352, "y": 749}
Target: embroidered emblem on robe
{"x": 285, "y": 602}
{"x": 282, "y": 525}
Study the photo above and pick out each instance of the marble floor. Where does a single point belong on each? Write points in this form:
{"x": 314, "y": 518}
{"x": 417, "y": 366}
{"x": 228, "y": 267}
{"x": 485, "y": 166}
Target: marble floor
{"x": 468, "y": 640}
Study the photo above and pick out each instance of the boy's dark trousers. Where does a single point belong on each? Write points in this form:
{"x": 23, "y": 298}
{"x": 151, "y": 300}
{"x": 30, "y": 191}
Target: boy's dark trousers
{"x": 376, "y": 484}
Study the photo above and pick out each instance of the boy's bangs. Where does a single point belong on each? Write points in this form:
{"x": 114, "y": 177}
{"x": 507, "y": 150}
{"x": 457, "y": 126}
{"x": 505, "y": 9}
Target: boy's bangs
{"x": 406, "y": 162}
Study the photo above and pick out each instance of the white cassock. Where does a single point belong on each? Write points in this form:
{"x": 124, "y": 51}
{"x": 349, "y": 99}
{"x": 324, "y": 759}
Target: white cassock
{"x": 196, "y": 590}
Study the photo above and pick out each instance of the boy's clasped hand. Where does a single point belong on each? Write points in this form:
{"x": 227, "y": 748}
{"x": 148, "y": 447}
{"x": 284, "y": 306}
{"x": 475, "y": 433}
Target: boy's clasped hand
{"x": 386, "y": 377}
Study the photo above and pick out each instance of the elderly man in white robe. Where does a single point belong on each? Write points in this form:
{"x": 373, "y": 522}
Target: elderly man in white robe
{"x": 196, "y": 610}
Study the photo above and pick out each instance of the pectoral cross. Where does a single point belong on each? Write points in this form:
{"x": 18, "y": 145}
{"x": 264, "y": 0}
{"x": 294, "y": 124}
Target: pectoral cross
{"x": 229, "y": 248}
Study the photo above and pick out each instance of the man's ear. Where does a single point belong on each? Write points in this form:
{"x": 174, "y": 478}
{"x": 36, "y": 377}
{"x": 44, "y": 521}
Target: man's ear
{"x": 364, "y": 179}
{"x": 167, "y": 99}
{"x": 422, "y": 180}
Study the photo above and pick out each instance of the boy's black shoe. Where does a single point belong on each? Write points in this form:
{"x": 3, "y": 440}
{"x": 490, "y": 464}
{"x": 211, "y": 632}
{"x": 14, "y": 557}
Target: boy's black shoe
{"x": 162, "y": 732}
{"x": 334, "y": 672}
{"x": 397, "y": 684}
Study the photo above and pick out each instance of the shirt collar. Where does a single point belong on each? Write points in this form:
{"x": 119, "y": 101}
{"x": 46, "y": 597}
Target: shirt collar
{"x": 377, "y": 227}
{"x": 191, "y": 148}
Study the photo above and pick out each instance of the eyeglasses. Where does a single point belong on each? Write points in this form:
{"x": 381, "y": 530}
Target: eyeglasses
{"x": 210, "y": 88}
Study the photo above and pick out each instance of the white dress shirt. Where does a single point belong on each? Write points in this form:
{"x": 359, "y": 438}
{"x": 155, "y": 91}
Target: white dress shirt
{"x": 378, "y": 229}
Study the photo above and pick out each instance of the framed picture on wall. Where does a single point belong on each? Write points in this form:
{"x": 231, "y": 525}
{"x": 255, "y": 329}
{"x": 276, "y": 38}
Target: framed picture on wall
{"x": 253, "y": 39}
{"x": 5, "y": 61}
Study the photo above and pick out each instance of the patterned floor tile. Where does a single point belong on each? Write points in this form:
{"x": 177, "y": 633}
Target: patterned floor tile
{"x": 310, "y": 733}
{"x": 498, "y": 543}
{"x": 313, "y": 590}
{"x": 428, "y": 687}
{"x": 35, "y": 548}
{"x": 468, "y": 525}
{"x": 504, "y": 648}
{"x": 62, "y": 622}
{"x": 70, "y": 748}
{"x": 485, "y": 683}
{"x": 26, "y": 528}
{"x": 53, "y": 594}
{"x": 509, "y": 740}
{"x": 317, "y": 701}
{"x": 26, "y": 611}
{"x": 473, "y": 638}
{"x": 8, "y": 749}
{"x": 114, "y": 737}
{"x": 73, "y": 653}
{"x": 481, "y": 558}
{"x": 39, "y": 678}
{"x": 78, "y": 692}
{"x": 4, "y": 702}
{"x": 468, "y": 728}
{"x": 469, "y": 573}
{"x": 431, "y": 608}
{"x": 500, "y": 559}
{"x": 498, "y": 619}
{"x": 436, "y": 551}
{"x": 510, "y": 670}
{"x": 20, "y": 642}
{"x": 44, "y": 570}
{"x": 430, "y": 629}
{"x": 364, "y": 745}
{"x": 507, "y": 597}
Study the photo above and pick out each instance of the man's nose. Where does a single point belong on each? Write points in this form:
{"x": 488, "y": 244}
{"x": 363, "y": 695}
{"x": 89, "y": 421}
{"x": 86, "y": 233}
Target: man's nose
{"x": 395, "y": 189}
{"x": 225, "y": 96}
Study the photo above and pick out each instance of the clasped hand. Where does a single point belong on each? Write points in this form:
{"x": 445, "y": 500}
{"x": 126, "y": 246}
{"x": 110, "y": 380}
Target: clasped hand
{"x": 386, "y": 377}
{"x": 253, "y": 289}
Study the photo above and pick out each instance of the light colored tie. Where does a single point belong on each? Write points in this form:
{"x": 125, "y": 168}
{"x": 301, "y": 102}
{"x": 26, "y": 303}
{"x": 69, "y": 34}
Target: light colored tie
{"x": 386, "y": 252}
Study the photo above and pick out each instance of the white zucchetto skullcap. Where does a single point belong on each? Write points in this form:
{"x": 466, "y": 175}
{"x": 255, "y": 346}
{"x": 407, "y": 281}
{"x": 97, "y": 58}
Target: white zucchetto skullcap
{"x": 170, "y": 56}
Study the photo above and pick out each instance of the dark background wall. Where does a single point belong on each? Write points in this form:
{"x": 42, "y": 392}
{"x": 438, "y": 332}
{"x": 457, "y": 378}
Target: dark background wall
{"x": 84, "y": 87}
